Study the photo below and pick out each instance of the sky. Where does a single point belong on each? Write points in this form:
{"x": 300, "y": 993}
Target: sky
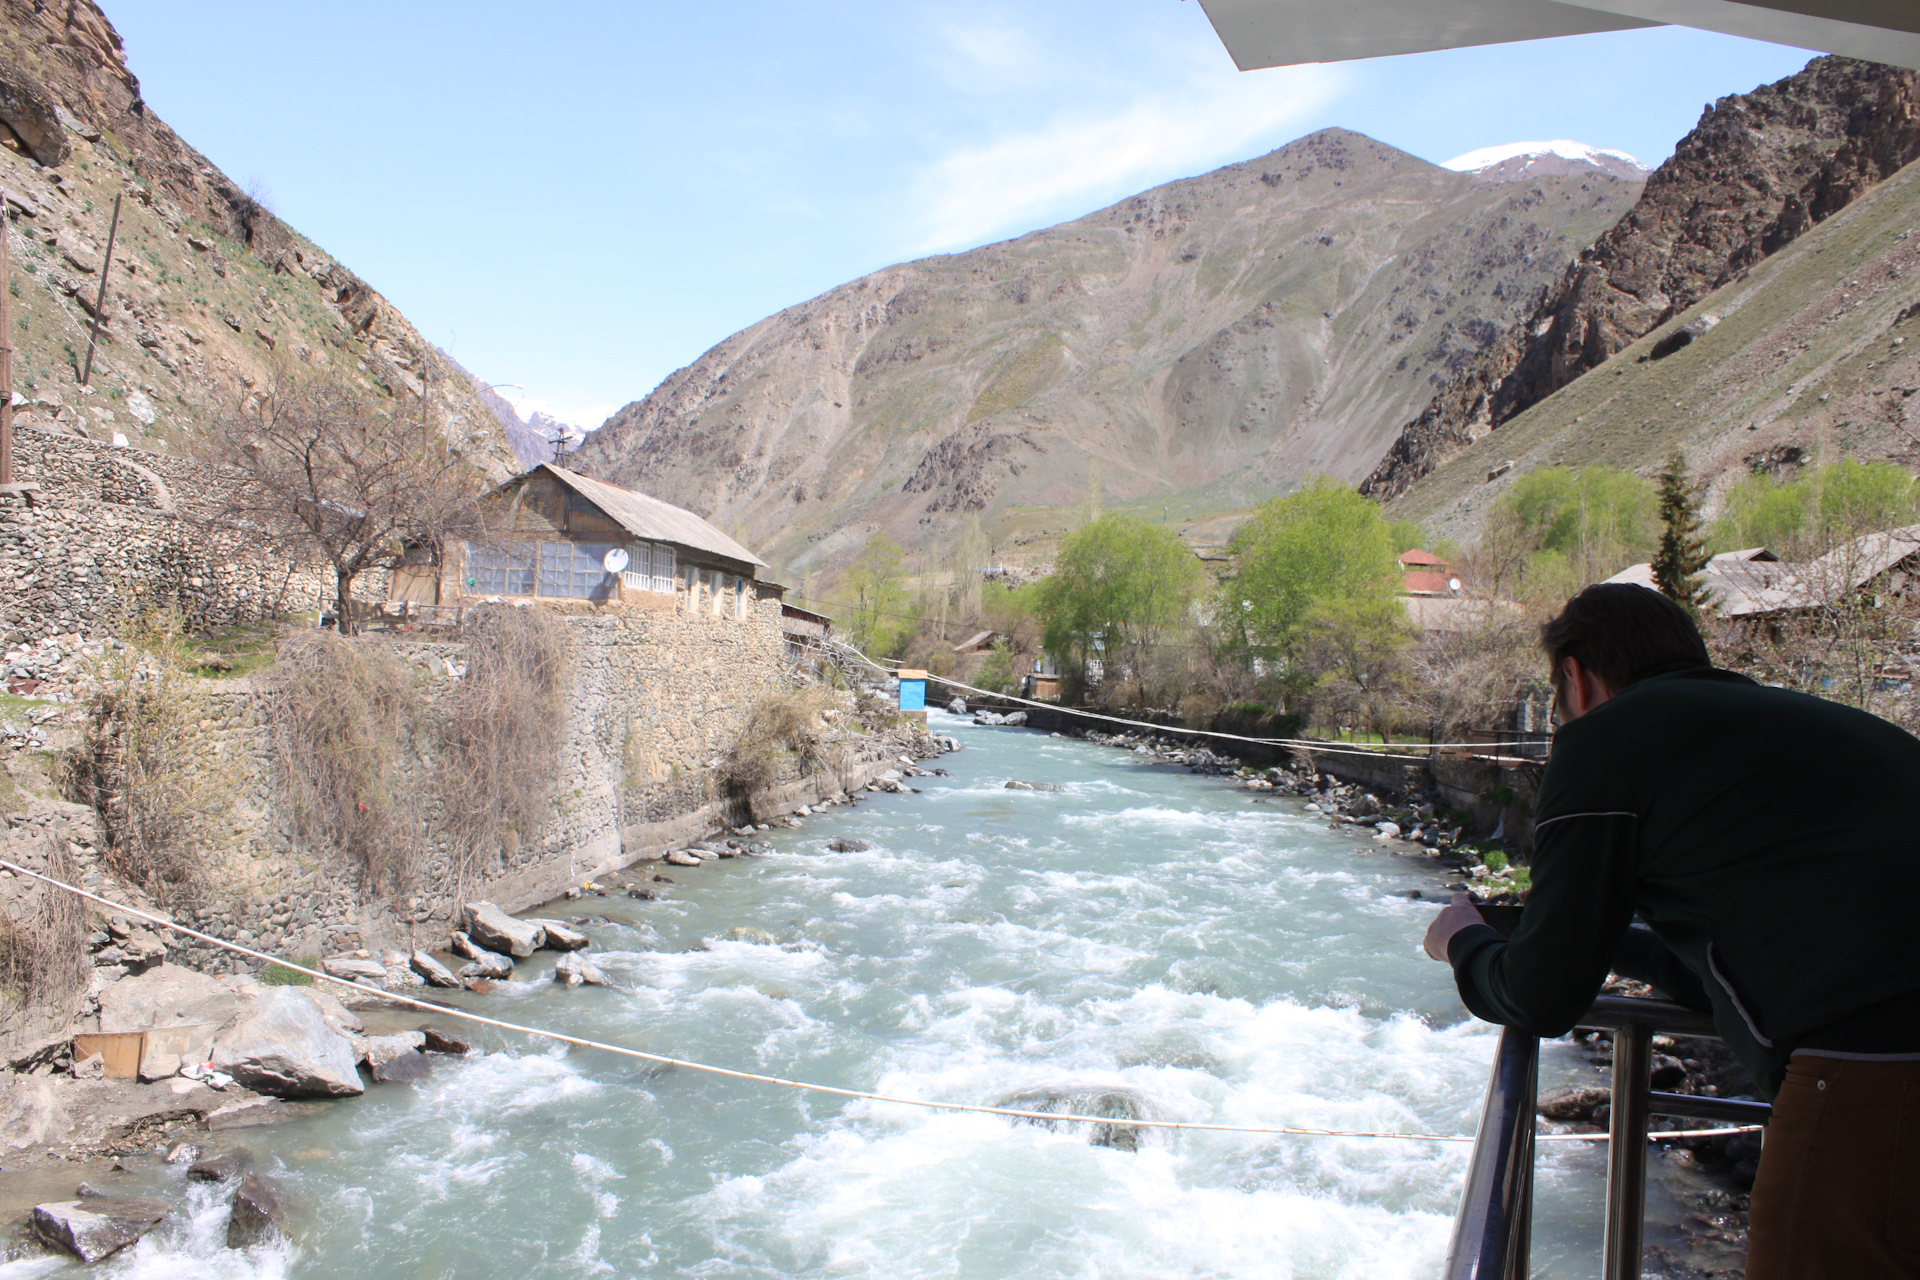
{"x": 576, "y": 199}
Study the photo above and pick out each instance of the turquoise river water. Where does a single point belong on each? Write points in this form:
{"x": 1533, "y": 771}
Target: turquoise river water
{"x": 1145, "y": 930}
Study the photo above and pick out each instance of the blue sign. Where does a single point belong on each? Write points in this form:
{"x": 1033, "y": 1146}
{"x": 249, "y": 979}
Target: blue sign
{"x": 913, "y": 695}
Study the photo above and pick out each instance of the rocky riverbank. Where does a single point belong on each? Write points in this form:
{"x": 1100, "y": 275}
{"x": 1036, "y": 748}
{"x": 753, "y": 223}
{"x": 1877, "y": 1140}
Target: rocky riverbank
{"x": 197, "y": 1054}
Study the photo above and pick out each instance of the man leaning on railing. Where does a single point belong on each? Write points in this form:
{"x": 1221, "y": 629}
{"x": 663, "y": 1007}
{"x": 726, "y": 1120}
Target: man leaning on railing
{"x": 1769, "y": 840}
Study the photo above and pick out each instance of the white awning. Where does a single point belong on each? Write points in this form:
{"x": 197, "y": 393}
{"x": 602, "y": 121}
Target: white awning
{"x": 1277, "y": 33}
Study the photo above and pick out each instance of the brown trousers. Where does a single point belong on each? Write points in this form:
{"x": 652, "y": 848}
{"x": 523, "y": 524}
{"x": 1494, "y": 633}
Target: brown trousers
{"x": 1838, "y": 1193}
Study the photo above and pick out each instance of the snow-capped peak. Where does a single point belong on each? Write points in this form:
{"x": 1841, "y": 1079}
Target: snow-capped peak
{"x": 1562, "y": 155}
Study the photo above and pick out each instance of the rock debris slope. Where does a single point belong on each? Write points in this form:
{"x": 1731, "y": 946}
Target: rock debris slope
{"x": 208, "y": 288}
{"x": 1756, "y": 173}
{"x": 1196, "y": 347}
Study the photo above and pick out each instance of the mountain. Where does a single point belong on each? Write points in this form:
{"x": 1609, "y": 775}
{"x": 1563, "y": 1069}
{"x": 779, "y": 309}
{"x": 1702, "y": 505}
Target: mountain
{"x": 1756, "y": 172}
{"x": 209, "y": 292}
{"x": 1187, "y": 351}
{"x": 1524, "y": 161}
{"x": 1811, "y": 354}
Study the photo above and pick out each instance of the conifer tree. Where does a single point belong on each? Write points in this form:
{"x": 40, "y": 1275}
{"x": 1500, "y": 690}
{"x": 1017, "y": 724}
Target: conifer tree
{"x": 1683, "y": 552}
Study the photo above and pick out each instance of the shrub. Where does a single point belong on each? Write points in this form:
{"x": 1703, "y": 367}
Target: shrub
{"x": 278, "y": 975}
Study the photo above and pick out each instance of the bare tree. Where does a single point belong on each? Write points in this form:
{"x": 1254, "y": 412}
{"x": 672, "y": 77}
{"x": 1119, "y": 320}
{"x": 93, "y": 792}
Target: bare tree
{"x": 323, "y": 468}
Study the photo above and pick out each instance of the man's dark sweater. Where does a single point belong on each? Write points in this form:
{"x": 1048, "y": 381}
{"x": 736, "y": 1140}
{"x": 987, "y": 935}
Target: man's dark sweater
{"x": 1767, "y": 837}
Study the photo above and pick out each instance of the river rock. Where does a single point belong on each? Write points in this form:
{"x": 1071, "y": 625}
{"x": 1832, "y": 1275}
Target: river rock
{"x": 1387, "y": 830}
{"x": 574, "y": 969}
{"x": 439, "y": 1040}
{"x": 219, "y": 1166}
{"x": 1014, "y": 718}
{"x": 560, "y": 937}
{"x": 282, "y": 1047}
{"x": 495, "y": 930}
{"x": 436, "y": 974}
{"x": 255, "y": 1112}
{"x": 259, "y": 1213}
{"x": 94, "y": 1229}
{"x": 1116, "y": 1104}
{"x": 491, "y": 965}
{"x": 401, "y": 1068}
{"x": 749, "y": 933}
{"x": 957, "y": 707}
{"x": 681, "y": 858}
{"x": 846, "y": 844}
{"x": 988, "y": 717}
{"x": 1571, "y": 1104}
{"x": 354, "y": 969}
{"x": 1015, "y": 784}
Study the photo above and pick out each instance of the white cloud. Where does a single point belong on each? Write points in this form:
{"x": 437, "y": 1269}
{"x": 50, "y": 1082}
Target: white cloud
{"x": 1085, "y": 157}
{"x": 984, "y": 55}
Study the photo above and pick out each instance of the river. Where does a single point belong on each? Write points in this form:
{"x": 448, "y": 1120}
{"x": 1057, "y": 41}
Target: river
{"x": 1220, "y": 959}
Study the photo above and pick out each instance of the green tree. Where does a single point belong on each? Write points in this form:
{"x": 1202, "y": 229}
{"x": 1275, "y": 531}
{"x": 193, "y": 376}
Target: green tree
{"x": 1683, "y": 552}
{"x": 1118, "y": 585}
{"x": 1357, "y": 646}
{"x": 1319, "y": 543}
{"x": 1599, "y": 518}
{"x": 876, "y": 599}
{"x": 1803, "y": 516}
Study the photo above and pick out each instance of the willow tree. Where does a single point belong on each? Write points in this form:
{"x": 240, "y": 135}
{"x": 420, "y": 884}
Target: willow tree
{"x": 1118, "y": 587}
{"x": 1314, "y": 588}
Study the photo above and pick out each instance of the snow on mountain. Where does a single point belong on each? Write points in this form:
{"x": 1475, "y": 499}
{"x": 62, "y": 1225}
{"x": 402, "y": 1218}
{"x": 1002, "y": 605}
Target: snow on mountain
{"x": 1518, "y": 161}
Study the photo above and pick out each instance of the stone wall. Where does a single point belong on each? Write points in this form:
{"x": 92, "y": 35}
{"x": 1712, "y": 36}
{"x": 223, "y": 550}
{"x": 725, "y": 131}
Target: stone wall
{"x": 657, "y": 701}
{"x": 115, "y": 532}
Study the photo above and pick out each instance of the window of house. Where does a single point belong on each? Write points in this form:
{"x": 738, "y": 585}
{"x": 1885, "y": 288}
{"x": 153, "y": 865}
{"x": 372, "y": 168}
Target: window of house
{"x": 500, "y": 571}
{"x": 662, "y": 567}
{"x": 575, "y": 570}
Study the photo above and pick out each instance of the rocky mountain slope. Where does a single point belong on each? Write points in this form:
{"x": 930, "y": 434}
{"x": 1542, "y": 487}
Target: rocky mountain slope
{"x": 1812, "y": 354}
{"x": 1756, "y": 172}
{"x": 209, "y": 292}
{"x": 1520, "y": 161}
{"x": 1191, "y": 349}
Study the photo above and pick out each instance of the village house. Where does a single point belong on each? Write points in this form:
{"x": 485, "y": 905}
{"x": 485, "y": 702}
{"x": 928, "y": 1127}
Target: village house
{"x": 557, "y": 535}
{"x": 1756, "y": 583}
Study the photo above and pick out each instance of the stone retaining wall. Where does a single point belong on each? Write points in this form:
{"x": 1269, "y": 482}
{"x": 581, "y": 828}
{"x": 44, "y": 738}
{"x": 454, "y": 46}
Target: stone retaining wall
{"x": 116, "y": 532}
{"x": 657, "y": 701}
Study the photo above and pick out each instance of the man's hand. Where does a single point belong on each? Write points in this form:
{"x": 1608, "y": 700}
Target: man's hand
{"x": 1453, "y": 917}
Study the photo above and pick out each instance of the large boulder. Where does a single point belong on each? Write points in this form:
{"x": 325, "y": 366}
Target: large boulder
{"x": 180, "y": 1010}
{"x": 94, "y": 1229}
{"x": 847, "y": 844}
{"x": 436, "y": 974}
{"x": 222, "y": 1165}
{"x": 355, "y": 969}
{"x": 495, "y": 930}
{"x": 281, "y": 1046}
{"x": 338, "y": 1016}
{"x": 957, "y": 707}
{"x": 560, "y": 937}
{"x": 259, "y": 1213}
{"x": 574, "y": 969}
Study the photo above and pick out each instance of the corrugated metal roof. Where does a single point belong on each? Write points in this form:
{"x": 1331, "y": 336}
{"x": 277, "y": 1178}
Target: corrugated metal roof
{"x": 1741, "y": 583}
{"x": 652, "y": 519}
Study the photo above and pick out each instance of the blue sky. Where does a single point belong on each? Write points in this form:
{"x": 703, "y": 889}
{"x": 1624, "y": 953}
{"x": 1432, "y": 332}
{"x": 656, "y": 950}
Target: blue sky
{"x": 581, "y": 197}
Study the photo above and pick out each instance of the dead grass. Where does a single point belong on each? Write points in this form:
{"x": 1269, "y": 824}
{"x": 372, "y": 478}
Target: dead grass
{"x": 344, "y": 714}
{"x": 783, "y": 730}
{"x": 163, "y": 785}
{"x": 42, "y": 943}
{"x": 502, "y": 733}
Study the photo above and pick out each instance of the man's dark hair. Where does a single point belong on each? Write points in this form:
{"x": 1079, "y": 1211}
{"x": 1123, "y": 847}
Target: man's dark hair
{"x": 1620, "y": 631}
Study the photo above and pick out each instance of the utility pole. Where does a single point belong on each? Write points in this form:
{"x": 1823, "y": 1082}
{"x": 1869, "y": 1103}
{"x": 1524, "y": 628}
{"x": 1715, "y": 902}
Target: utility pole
{"x": 100, "y": 301}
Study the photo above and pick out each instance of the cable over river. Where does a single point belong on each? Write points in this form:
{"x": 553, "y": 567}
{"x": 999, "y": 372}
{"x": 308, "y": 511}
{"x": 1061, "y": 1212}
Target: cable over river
{"x": 1143, "y": 941}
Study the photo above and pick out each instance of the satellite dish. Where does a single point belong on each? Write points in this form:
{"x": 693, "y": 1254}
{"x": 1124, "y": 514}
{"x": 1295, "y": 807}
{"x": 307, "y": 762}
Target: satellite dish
{"x": 1453, "y": 584}
{"x": 614, "y": 561}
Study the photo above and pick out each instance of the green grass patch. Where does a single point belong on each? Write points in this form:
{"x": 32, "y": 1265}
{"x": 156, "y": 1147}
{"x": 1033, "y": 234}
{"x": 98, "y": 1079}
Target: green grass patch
{"x": 278, "y": 975}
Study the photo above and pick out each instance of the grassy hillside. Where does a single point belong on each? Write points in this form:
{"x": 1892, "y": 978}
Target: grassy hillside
{"x": 1813, "y": 355}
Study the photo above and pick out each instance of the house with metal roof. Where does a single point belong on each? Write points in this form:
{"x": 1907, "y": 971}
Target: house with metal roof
{"x": 1755, "y": 583}
{"x": 555, "y": 534}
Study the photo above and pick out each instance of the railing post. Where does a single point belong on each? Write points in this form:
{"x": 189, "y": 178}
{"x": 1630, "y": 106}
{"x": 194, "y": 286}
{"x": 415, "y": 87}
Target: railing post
{"x": 1493, "y": 1230}
{"x": 1627, "y": 1151}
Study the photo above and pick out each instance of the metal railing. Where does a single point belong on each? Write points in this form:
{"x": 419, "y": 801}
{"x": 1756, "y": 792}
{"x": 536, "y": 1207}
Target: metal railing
{"x": 1493, "y": 1230}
